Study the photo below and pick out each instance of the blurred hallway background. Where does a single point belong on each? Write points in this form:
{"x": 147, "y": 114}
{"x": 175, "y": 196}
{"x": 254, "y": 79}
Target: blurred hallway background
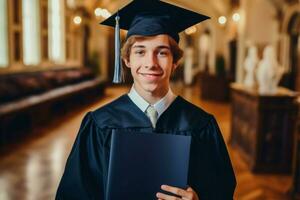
{"x": 56, "y": 64}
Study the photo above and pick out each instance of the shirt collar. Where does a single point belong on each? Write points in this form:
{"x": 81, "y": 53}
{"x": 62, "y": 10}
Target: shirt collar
{"x": 160, "y": 106}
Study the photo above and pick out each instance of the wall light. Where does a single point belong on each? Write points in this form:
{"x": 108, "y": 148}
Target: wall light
{"x": 222, "y": 20}
{"x": 77, "y": 20}
{"x": 236, "y": 17}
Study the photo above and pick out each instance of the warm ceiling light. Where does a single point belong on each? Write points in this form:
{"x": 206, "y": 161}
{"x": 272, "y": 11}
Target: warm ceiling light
{"x": 222, "y": 20}
{"x": 98, "y": 12}
{"x": 191, "y": 30}
{"x": 77, "y": 20}
{"x": 105, "y": 13}
{"x": 236, "y": 17}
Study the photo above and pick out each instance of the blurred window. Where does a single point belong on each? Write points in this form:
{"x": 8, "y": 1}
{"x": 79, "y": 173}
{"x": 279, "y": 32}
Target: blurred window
{"x": 31, "y": 32}
{"x": 57, "y": 46}
{"x": 3, "y": 34}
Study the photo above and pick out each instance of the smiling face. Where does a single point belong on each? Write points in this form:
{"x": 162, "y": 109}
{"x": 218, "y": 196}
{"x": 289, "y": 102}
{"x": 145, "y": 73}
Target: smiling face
{"x": 151, "y": 64}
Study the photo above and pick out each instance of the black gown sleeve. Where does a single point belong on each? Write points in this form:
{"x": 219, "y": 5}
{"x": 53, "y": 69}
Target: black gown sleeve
{"x": 211, "y": 174}
{"x": 83, "y": 175}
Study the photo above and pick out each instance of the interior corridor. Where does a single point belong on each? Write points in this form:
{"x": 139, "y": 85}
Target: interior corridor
{"x": 33, "y": 169}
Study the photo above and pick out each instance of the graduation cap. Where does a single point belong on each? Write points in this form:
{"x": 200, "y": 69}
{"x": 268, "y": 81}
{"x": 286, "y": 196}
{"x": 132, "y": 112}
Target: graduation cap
{"x": 149, "y": 18}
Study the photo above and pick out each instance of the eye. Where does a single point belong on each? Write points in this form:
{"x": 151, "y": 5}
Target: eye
{"x": 139, "y": 52}
{"x": 163, "y": 53}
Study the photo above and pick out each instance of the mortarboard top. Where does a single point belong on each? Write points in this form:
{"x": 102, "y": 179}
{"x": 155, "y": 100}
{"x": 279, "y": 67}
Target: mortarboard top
{"x": 153, "y": 17}
{"x": 149, "y": 18}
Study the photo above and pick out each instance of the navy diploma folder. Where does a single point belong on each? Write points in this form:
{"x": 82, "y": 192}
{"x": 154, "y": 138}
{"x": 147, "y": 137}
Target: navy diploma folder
{"x": 140, "y": 163}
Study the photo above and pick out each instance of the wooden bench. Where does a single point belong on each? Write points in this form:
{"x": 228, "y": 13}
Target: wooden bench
{"x": 58, "y": 92}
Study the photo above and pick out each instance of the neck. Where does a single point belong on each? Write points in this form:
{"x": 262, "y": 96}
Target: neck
{"x": 152, "y": 96}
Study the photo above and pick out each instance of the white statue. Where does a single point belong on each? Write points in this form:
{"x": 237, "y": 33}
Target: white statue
{"x": 250, "y": 67}
{"x": 269, "y": 72}
{"x": 204, "y": 44}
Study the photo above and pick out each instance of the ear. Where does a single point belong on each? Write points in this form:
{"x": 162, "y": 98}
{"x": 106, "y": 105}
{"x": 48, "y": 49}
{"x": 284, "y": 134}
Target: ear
{"x": 174, "y": 66}
{"x": 127, "y": 63}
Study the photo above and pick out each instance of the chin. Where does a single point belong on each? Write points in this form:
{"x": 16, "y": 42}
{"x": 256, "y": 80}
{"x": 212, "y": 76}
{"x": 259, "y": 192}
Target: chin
{"x": 150, "y": 87}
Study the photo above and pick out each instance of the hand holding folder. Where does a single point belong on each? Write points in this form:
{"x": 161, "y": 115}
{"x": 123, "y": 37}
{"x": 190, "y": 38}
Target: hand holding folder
{"x": 141, "y": 162}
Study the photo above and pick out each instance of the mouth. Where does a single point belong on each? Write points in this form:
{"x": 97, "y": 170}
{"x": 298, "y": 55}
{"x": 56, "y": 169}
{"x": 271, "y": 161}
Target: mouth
{"x": 151, "y": 76}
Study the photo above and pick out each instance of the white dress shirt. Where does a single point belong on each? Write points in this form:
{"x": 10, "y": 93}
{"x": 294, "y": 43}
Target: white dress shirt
{"x": 160, "y": 106}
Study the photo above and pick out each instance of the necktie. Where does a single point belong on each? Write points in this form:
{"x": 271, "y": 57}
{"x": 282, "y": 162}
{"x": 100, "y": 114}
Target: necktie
{"x": 152, "y": 114}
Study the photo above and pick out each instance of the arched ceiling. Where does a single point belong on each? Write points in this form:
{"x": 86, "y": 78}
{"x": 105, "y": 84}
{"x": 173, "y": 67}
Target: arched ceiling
{"x": 212, "y": 8}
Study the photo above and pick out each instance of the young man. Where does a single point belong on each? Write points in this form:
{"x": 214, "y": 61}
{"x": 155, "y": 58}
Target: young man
{"x": 151, "y": 52}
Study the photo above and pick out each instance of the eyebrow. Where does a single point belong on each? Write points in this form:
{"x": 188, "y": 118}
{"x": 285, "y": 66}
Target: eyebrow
{"x": 163, "y": 47}
{"x": 138, "y": 46}
{"x": 159, "y": 47}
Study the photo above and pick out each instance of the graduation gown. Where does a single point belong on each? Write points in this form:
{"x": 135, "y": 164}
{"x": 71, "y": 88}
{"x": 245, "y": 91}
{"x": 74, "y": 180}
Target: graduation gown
{"x": 210, "y": 170}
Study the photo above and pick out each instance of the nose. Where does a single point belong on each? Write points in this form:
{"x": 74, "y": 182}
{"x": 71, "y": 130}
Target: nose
{"x": 151, "y": 61}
